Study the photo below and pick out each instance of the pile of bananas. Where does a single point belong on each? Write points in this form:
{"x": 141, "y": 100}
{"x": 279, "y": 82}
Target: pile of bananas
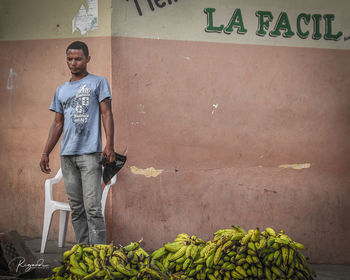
{"x": 108, "y": 262}
{"x": 232, "y": 254}
{"x": 235, "y": 254}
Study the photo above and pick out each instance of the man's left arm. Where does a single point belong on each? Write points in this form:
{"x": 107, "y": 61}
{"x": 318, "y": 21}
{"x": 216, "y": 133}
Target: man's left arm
{"x": 108, "y": 125}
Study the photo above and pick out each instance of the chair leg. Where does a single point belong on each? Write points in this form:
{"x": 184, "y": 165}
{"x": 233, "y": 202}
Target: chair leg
{"x": 46, "y": 227}
{"x": 62, "y": 228}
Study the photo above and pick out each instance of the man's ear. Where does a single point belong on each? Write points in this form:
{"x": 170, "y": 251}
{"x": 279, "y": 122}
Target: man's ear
{"x": 88, "y": 59}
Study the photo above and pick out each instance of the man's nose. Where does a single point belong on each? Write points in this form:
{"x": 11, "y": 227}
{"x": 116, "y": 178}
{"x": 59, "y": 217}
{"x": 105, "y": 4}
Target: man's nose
{"x": 74, "y": 62}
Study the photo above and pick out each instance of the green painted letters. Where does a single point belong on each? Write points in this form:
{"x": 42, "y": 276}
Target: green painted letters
{"x": 210, "y": 27}
{"x": 328, "y": 33}
{"x": 236, "y": 21}
{"x": 306, "y": 18}
{"x": 316, "y": 18}
{"x": 263, "y": 24}
{"x": 282, "y": 24}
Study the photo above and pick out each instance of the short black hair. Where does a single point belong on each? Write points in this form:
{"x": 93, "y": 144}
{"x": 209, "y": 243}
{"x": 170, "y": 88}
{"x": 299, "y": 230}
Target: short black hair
{"x": 78, "y": 45}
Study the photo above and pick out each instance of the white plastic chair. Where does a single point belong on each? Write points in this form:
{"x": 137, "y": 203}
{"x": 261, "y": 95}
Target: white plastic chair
{"x": 52, "y": 205}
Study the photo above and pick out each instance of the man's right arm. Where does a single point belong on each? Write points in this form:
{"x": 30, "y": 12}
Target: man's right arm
{"x": 54, "y": 134}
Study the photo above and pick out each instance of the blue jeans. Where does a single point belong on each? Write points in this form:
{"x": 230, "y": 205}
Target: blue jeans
{"x": 82, "y": 180}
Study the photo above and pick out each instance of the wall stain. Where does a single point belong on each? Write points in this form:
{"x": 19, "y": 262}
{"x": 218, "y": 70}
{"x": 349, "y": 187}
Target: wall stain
{"x": 148, "y": 172}
{"x": 266, "y": 190}
{"x": 297, "y": 166}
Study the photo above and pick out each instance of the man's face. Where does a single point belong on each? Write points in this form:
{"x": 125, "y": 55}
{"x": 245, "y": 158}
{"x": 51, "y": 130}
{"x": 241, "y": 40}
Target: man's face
{"x": 77, "y": 61}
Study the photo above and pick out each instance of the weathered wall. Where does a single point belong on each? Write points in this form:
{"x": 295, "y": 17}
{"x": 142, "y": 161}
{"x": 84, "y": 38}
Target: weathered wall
{"x": 32, "y": 66}
{"x": 223, "y": 164}
{"x": 222, "y": 119}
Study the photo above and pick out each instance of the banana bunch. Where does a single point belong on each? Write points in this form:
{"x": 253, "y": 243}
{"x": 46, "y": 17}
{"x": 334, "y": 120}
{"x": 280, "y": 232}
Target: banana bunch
{"x": 282, "y": 257}
{"x": 179, "y": 255}
{"x": 103, "y": 261}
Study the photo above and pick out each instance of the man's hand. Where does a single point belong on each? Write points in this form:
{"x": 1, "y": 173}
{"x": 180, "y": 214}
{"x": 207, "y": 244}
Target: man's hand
{"x": 109, "y": 154}
{"x": 44, "y": 164}
{"x": 54, "y": 135}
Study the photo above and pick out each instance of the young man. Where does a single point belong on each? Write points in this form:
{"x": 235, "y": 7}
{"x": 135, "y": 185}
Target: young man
{"x": 79, "y": 104}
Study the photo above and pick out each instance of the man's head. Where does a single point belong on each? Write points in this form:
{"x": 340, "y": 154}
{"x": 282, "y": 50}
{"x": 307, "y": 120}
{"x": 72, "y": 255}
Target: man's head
{"x": 77, "y": 58}
{"x": 78, "y": 45}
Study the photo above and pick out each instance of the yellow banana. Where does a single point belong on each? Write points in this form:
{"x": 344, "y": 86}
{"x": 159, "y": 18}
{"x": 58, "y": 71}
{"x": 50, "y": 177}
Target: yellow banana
{"x": 157, "y": 254}
{"x": 256, "y": 235}
{"x": 299, "y": 246}
{"x": 262, "y": 243}
{"x": 285, "y": 254}
{"x": 249, "y": 259}
{"x": 132, "y": 246}
{"x": 268, "y": 273}
{"x": 83, "y": 266}
{"x": 276, "y": 254}
{"x": 210, "y": 260}
{"x": 188, "y": 250}
{"x": 186, "y": 263}
{"x": 251, "y": 246}
{"x": 290, "y": 256}
{"x": 73, "y": 261}
{"x": 254, "y": 270}
{"x": 124, "y": 270}
{"x": 181, "y": 259}
{"x": 174, "y": 246}
{"x": 238, "y": 236}
{"x": 67, "y": 254}
{"x": 241, "y": 270}
{"x": 179, "y": 253}
{"x": 270, "y": 231}
{"x": 217, "y": 256}
{"x": 77, "y": 271}
{"x": 246, "y": 238}
{"x": 277, "y": 271}
{"x": 194, "y": 252}
{"x": 236, "y": 275}
{"x": 227, "y": 245}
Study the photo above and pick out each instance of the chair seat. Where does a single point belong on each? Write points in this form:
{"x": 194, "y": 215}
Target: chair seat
{"x": 52, "y": 206}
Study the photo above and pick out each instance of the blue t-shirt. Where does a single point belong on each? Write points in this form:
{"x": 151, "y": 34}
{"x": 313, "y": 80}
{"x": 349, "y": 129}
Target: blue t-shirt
{"x": 79, "y": 102}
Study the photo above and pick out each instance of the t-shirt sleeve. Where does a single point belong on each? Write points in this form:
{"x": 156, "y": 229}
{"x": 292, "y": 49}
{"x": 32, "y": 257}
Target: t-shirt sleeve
{"x": 104, "y": 90}
{"x": 56, "y": 105}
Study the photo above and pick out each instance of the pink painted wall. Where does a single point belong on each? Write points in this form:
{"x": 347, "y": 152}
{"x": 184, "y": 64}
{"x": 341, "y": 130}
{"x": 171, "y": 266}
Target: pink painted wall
{"x": 275, "y": 105}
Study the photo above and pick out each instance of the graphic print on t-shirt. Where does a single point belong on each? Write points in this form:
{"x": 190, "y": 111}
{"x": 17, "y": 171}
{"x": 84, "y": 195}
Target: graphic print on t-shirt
{"x": 80, "y": 103}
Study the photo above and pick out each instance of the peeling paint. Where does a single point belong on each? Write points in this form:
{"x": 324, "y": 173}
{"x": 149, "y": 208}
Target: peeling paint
{"x": 11, "y": 85}
{"x": 86, "y": 20}
{"x": 297, "y": 166}
{"x": 148, "y": 172}
{"x": 141, "y": 109}
{"x": 215, "y": 106}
